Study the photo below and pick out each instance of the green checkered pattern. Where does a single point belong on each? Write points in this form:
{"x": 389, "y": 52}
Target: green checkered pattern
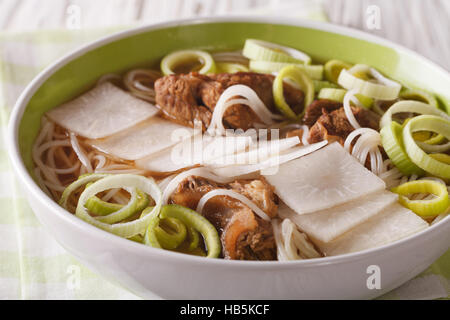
{"x": 32, "y": 264}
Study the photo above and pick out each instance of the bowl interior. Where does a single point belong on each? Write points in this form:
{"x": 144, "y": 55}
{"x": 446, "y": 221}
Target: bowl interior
{"x": 145, "y": 48}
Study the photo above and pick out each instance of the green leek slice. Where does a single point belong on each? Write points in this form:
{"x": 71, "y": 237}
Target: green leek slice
{"x": 355, "y": 78}
{"x": 410, "y": 106}
{"x": 332, "y": 94}
{"x": 333, "y": 68}
{"x": 178, "y": 58}
{"x": 298, "y": 76}
{"x": 416, "y": 154}
{"x": 230, "y": 67}
{"x": 419, "y": 95}
{"x": 268, "y": 51}
{"x": 74, "y": 186}
{"x": 391, "y": 139}
{"x": 338, "y": 95}
{"x": 103, "y": 208}
{"x": 125, "y": 229}
{"x": 319, "y": 85}
{"x": 170, "y": 233}
{"x": 192, "y": 219}
{"x": 315, "y": 72}
{"x": 424, "y": 208}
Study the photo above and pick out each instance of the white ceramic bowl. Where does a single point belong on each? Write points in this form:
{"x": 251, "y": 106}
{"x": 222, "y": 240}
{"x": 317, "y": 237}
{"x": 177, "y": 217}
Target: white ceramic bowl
{"x": 145, "y": 270}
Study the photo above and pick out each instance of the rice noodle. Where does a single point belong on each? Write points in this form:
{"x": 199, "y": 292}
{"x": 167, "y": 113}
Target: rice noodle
{"x": 80, "y": 152}
{"x": 134, "y": 82}
{"x": 249, "y": 98}
{"x": 200, "y": 172}
{"x": 233, "y": 194}
{"x": 292, "y": 244}
{"x": 367, "y": 145}
{"x": 350, "y": 97}
{"x": 109, "y": 77}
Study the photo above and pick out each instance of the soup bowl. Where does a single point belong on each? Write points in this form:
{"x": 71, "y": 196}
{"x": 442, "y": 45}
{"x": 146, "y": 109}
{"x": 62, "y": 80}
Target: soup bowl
{"x": 147, "y": 271}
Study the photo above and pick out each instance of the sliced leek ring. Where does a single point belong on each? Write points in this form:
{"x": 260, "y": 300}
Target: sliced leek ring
{"x": 339, "y": 94}
{"x": 268, "y": 51}
{"x": 418, "y": 156}
{"x": 298, "y": 76}
{"x": 102, "y": 208}
{"x": 385, "y": 89}
{"x": 391, "y": 139}
{"x": 170, "y": 240}
{"x": 125, "y": 229}
{"x": 230, "y": 67}
{"x": 332, "y": 94}
{"x": 320, "y": 84}
{"x": 193, "y": 219}
{"x": 74, "y": 186}
{"x": 419, "y": 95}
{"x": 410, "y": 106}
{"x": 315, "y": 72}
{"x": 424, "y": 208}
{"x": 333, "y": 68}
{"x": 173, "y": 60}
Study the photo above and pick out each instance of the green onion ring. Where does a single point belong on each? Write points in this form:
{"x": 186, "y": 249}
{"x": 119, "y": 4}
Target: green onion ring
{"x": 170, "y": 240}
{"x": 424, "y": 208}
{"x": 169, "y": 62}
{"x": 299, "y": 76}
{"x": 105, "y": 209}
{"x": 333, "y": 68}
{"x": 193, "y": 219}
{"x": 126, "y": 229}
{"x": 418, "y": 156}
{"x": 391, "y": 139}
{"x": 410, "y": 106}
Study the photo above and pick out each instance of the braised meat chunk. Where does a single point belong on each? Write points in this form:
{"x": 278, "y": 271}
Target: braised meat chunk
{"x": 334, "y": 125}
{"x": 317, "y": 108}
{"x": 244, "y": 235}
{"x": 185, "y": 98}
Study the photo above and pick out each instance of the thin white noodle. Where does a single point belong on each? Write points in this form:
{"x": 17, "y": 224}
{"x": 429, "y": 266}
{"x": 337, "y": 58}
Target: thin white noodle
{"x": 233, "y": 194}
{"x": 80, "y": 152}
{"x": 350, "y": 96}
{"x": 249, "y": 98}
{"x": 200, "y": 172}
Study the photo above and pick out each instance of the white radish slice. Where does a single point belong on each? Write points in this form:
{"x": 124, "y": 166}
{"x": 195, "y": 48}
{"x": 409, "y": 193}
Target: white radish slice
{"x": 262, "y": 151}
{"x": 193, "y": 151}
{"x": 101, "y": 112}
{"x": 394, "y": 223}
{"x": 323, "y": 179}
{"x": 143, "y": 139}
{"x": 270, "y": 165}
{"x": 326, "y": 225}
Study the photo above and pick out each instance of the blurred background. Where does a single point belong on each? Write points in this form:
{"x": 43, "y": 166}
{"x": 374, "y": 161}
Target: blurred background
{"x": 421, "y": 25}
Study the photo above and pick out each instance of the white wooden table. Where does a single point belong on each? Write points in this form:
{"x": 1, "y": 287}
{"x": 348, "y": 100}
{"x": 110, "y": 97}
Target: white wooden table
{"x": 422, "y": 25}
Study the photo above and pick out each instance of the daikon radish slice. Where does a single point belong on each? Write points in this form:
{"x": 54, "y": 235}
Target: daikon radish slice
{"x": 326, "y": 225}
{"x": 323, "y": 179}
{"x": 143, "y": 139}
{"x": 193, "y": 151}
{"x": 101, "y": 112}
{"x": 394, "y": 223}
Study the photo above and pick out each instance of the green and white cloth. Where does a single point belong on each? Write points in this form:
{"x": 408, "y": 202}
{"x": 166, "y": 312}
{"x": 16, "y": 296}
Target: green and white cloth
{"x": 32, "y": 264}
